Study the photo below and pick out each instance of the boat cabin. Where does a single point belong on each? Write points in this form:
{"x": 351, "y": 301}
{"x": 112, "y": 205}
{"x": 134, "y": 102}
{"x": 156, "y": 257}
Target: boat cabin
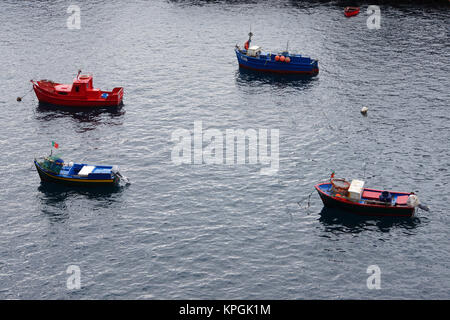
{"x": 81, "y": 85}
{"x": 254, "y": 51}
{"x": 84, "y": 80}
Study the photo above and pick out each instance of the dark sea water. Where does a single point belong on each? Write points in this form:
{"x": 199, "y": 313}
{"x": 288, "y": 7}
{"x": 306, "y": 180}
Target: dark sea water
{"x": 225, "y": 231}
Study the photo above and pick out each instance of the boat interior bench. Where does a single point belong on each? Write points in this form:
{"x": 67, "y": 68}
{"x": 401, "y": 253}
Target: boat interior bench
{"x": 402, "y": 200}
{"x": 375, "y": 195}
{"x": 372, "y": 195}
{"x": 93, "y": 172}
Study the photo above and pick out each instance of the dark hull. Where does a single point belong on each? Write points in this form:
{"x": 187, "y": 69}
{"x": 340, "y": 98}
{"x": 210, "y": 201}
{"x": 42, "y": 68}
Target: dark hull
{"x": 49, "y": 177}
{"x": 312, "y": 72}
{"x": 365, "y": 210}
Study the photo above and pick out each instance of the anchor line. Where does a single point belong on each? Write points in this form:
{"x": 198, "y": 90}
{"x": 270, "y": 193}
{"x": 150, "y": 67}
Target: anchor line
{"x": 20, "y": 98}
{"x": 300, "y": 203}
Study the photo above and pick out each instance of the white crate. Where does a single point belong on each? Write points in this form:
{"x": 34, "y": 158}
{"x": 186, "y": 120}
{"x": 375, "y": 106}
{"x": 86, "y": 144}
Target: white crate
{"x": 356, "y": 189}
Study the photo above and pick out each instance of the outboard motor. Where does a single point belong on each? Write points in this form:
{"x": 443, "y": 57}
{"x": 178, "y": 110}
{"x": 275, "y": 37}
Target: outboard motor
{"x": 115, "y": 171}
{"x": 413, "y": 201}
{"x": 386, "y": 196}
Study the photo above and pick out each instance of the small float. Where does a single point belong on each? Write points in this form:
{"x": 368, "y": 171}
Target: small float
{"x": 354, "y": 198}
{"x": 53, "y": 169}
{"x": 253, "y": 58}
{"x": 81, "y": 93}
{"x": 351, "y": 11}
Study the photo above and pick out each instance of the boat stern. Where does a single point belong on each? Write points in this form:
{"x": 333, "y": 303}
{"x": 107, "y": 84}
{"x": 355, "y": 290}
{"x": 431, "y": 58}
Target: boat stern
{"x": 315, "y": 66}
{"x": 117, "y": 93}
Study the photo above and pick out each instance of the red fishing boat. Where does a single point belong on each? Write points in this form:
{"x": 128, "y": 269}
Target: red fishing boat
{"x": 354, "y": 198}
{"x": 81, "y": 93}
{"x": 351, "y": 11}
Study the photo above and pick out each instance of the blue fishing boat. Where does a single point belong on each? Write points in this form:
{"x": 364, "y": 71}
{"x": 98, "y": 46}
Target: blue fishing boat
{"x": 253, "y": 58}
{"x": 53, "y": 169}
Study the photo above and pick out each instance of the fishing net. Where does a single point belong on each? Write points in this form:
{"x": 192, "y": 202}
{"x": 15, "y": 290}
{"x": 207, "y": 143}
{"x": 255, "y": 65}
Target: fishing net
{"x": 53, "y": 163}
{"x": 340, "y": 185}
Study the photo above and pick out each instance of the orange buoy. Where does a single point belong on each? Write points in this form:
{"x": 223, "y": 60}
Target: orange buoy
{"x": 282, "y": 58}
{"x": 287, "y": 59}
{"x": 277, "y": 58}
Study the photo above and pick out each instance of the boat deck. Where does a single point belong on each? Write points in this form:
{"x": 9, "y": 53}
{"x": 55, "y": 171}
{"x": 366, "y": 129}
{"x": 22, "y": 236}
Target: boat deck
{"x": 92, "y": 171}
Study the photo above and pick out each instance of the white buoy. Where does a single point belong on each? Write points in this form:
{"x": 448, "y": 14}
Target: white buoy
{"x": 364, "y": 110}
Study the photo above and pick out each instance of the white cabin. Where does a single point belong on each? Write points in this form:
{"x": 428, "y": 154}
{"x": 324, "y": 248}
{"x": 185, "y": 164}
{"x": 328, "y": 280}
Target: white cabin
{"x": 254, "y": 51}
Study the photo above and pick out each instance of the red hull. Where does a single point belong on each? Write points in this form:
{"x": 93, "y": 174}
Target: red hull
{"x": 351, "y": 11}
{"x": 63, "y": 95}
{"x": 364, "y": 209}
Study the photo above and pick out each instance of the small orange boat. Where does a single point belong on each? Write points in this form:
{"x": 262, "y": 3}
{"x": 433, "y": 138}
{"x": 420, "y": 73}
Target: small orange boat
{"x": 351, "y": 11}
{"x": 81, "y": 93}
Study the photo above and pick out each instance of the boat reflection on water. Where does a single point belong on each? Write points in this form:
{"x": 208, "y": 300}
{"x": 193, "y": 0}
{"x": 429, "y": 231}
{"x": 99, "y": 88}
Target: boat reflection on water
{"x": 249, "y": 78}
{"x": 57, "y": 199}
{"x": 91, "y": 116}
{"x": 336, "y": 220}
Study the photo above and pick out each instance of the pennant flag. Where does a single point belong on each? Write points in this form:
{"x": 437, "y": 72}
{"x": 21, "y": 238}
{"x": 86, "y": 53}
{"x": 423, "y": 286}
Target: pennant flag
{"x": 55, "y": 145}
{"x": 332, "y": 175}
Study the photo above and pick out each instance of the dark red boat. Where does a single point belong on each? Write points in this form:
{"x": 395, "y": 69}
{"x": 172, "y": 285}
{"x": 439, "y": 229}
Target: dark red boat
{"x": 351, "y": 11}
{"x": 354, "y": 198}
{"x": 79, "y": 94}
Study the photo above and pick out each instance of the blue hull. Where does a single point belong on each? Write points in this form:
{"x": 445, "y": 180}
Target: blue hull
{"x": 266, "y": 62}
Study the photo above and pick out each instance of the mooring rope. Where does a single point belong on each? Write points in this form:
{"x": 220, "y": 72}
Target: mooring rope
{"x": 20, "y": 98}
{"x": 300, "y": 203}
